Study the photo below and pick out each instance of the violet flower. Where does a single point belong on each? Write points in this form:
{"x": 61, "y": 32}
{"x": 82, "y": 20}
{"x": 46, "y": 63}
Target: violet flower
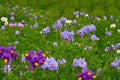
{"x": 108, "y": 33}
{"x": 62, "y": 61}
{"x": 86, "y": 75}
{"x": 46, "y": 30}
{"x": 57, "y": 25}
{"x": 94, "y": 38}
{"x": 52, "y": 64}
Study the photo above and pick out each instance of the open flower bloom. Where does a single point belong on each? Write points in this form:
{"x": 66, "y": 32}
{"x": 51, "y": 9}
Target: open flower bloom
{"x": 86, "y": 75}
{"x": 116, "y": 63}
{"x": 11, "y": 50}
{"x": 86, "y": 30}
{"x": 52, "y": 64}
{"x": 6, "y": 58}
{"x": 94, "y": 38}
{"x": 20, "y": 25}
{"x": 80, "y": 63}
{"x": 66, "y": 35}
{"x": 8, "y": 54}
{"x": 46, "y": 30}
{"x": 35, "y": 59}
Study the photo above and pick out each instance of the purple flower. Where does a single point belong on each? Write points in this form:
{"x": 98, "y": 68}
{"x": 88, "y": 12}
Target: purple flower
{"x": 52, "y": 64}
{"x": 61, "y": 62}
{"x": 3, "y": 27}
{"x": 12, "y": 51}
{"x": 12, "y": 18}
{"x": 46, "y": 30}
{"x": 62, "y": 19}
{"x": 67, "y": 35}
{"x": 116, "y": 63}
{"x": 57, "y": 25}
{"x": 75, "y": 62}
{"x": 73, "y": 22}
{"x": 6, "y": 58}
{"x": 22, "y": 58}
{"x": 86, "y": 75}
{"x": 35, "y": 60}
{"x": 2, "y": 51}
{"x": 94, "y": 38}
{"x": 17, "y": 32}
{"x": 107, "y": 49}
{"x": 86, "y": 30}
{"x": 75, "y": 13}
{"x": 108, "y": 33}
{"x": 82, "y": 63}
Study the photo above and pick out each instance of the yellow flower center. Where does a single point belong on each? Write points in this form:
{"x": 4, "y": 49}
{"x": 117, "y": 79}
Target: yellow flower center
{"x": 5, "y": 60}
{"x": 79, "y": 78}
{"x": 36, "y": 64}
{"x": 44, "y": 62}
{"x": 26, "y": 55}
{"x": 0, "y": 51}
{"x": 44, "y": 55}
{"x": 11, "y": 51}
{"x": 89, "y": 73}
{"x": 94, "y": 76}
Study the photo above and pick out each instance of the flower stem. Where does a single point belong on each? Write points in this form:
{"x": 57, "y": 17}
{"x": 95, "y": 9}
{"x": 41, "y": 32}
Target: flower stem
{"x": 7, "y": 73}
{"x": 34, "y": 75}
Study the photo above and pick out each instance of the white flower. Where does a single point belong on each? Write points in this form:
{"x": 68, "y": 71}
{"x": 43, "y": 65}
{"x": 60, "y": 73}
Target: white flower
{"x": 4, "y": 19}
{"x": 86, "y": 15}
{"x": 118, "y": 51}
{"x": 7, "y": 68}
{"x": 77, "y": 16}
{"x": 68, "y": 21}
{"x": 118, "y": 30}
{"x": 113, "y": 26}
{"x": 98, "y": 19}
{"x": 6, "y": 23}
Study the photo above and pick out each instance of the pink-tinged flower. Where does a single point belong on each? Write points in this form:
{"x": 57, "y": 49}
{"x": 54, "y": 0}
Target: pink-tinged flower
{"x": 20, "y": 25}
{"x": 12, "y": 25}
{"x": 86, "y": 75}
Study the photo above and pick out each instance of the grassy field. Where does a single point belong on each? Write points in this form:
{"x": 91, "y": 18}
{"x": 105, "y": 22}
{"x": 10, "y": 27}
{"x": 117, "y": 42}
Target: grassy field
{"x": 38, "y": 14}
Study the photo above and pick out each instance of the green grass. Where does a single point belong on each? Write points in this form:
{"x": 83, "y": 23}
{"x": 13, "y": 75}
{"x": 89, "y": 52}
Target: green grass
{"x": 52, "y": 10}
